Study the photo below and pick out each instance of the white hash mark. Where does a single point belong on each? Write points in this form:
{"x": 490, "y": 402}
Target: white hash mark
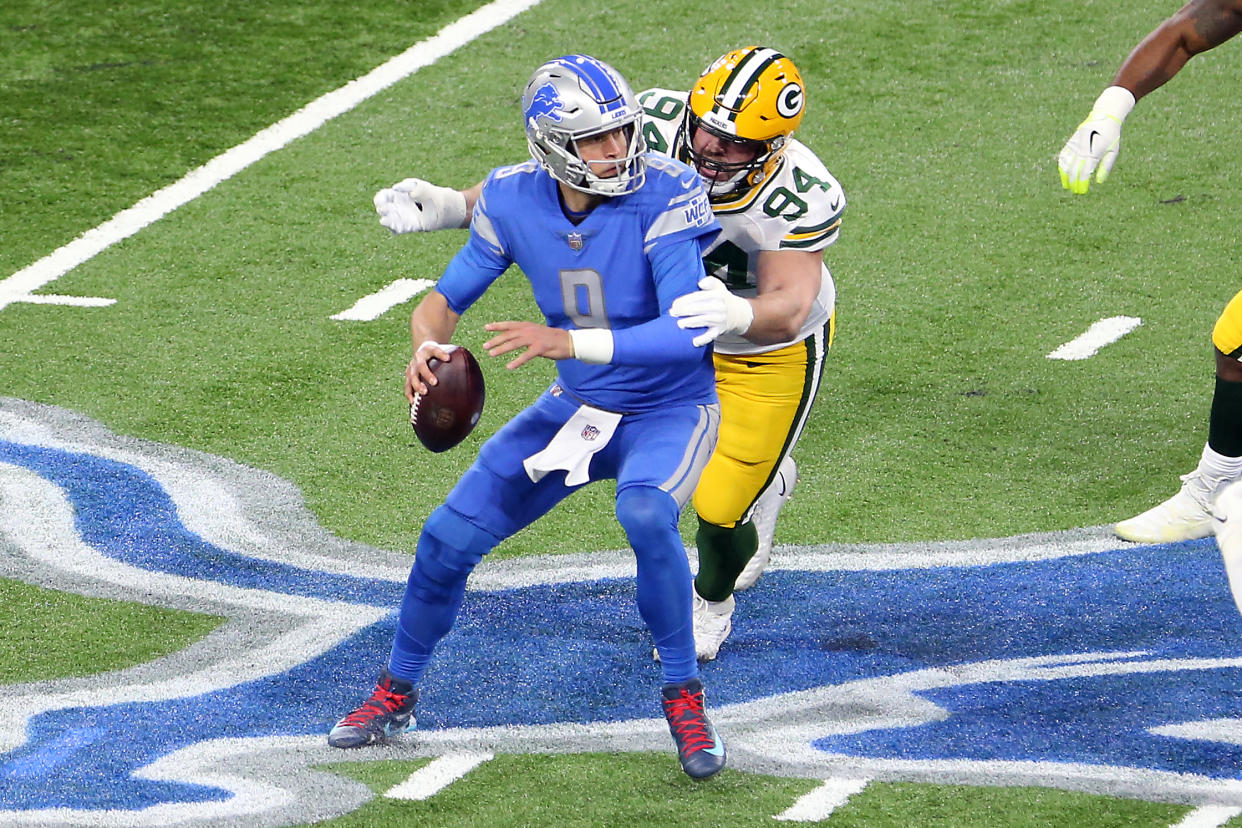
{"x": 373, "y": 306}
{"x": 821, "y": 802}
{"x": 1104, "y": 332}
{"x": 1208, "y": 816}
{"x": 437, "y": 775}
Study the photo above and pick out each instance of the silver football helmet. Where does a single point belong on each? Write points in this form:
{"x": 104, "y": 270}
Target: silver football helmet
{"x": 576, "y": 97}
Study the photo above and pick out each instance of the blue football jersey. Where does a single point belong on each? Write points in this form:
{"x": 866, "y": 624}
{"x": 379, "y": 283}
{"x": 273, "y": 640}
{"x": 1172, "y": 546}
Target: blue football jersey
{"x": 600, "y": 274}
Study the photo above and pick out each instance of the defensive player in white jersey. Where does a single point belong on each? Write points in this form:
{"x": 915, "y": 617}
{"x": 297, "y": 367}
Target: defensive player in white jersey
{"x": 608, "y": 235}
{"x": 770, "y": 300}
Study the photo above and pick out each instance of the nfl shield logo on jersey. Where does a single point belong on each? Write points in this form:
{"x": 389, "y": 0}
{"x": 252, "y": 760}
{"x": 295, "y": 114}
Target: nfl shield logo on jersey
{"x": 590, "y": 433}
{"x": 575, "y": 241}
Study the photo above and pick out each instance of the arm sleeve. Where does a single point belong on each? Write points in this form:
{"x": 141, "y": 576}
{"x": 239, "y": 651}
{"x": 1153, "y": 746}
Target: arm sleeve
{"x": 677, "y": 269}
{"x": 479, "y": 263}
{"x": 469, "y": 274}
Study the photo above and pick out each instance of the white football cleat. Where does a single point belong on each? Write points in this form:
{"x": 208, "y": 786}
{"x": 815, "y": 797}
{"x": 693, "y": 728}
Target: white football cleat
{"x": 713, "y": 621}
{"x": 1187, "y": 515}
{"x": 1228, "y": 525}
{"x": 764, "y": 518}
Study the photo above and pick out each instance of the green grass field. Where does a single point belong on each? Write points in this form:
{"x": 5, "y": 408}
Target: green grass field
{"x": 961, "y": 265}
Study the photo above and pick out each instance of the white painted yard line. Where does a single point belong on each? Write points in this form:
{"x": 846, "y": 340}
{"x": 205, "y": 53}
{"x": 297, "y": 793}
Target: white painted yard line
{"x": 19, "y": 286}
{"x": 54, "y": 299}
{"x": 373, "y": 306}
{"x": 1104, "y": 332}
{"x": 821, "y": 802}
{"x": 437, "y": 775}
{"x": 1208, "y": 816}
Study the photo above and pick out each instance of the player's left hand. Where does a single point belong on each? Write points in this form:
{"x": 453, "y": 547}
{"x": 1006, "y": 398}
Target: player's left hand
{"x": 1091, "y": 149}
{"x": 712, "y": 307}
{"x": 417, "y": 206}
{"x": 538, "y": 340}
{"x": 1094, "y": 145}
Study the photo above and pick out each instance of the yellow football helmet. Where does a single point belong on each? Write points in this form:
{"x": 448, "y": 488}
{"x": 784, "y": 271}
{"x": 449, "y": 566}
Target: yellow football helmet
{"x": 752, "y": 98}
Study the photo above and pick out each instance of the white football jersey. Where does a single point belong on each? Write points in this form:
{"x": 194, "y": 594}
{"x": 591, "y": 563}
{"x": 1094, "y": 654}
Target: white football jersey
{"x": 798, "y": 208}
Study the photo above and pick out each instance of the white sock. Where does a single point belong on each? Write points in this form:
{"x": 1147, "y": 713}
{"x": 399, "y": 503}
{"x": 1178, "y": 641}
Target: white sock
{"x": 1216, "y": 465}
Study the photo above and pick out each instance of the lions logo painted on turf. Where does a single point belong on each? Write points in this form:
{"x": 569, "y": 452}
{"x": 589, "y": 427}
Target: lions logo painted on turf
{"x": 1053, "y": 660}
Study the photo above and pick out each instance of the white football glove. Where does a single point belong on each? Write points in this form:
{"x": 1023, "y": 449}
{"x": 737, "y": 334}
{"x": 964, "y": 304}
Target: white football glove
{"x": 1094, "y": 145}
{"x": 415, "y": 206}
{"x": 715, "y": 308}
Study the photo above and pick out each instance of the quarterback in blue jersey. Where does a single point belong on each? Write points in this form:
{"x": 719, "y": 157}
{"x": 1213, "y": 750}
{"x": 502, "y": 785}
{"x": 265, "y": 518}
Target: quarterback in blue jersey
{"x": 609, "y": 237}
{"x": 769, "y": 302}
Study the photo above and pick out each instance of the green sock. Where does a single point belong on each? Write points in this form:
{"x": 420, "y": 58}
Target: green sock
{"x": 1225, "y": 423}
{"x": 723, "y": 554}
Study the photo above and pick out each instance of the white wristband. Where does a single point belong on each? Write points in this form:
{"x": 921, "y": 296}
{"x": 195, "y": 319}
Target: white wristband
{"x": 592, "y": 345}
{"x": 1114, "y": 102}
{"x": 740, "y": 315}
{"x": 448, "y": 348}
{"x": 455, "y": 210}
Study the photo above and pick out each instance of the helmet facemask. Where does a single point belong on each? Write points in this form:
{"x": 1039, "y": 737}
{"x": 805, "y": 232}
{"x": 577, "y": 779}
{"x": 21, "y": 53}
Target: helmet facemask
{"x": 575, "y": 98}
{"x": 752, "y": 98}
{"x": 723, "y": 178}
{"x": 557, "y": 151}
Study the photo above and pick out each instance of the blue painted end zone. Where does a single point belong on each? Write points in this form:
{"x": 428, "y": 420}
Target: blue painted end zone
{"x": 578, "y": 653}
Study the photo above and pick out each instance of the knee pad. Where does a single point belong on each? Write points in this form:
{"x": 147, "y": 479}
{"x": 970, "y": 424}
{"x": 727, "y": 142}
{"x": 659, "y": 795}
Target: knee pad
{"x": 451, "y": 544}
{"x": 646, "y": 514}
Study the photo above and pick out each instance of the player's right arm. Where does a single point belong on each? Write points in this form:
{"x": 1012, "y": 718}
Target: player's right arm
{"x": 1198, "y": 26}
{"x": 418, "y": 206}
{"x": 480, "y": 261}
{"x": 789, "y": 282}
{"x": 431, "y": 327}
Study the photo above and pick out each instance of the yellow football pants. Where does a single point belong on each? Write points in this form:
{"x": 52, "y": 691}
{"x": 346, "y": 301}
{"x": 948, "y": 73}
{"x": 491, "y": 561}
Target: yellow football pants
{"x": 1227, "y": 334}
{"x": 764, "y": 403}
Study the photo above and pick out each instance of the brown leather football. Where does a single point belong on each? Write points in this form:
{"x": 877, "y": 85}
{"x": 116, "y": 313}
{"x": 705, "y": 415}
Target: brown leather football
{"x": 451, "y": 408}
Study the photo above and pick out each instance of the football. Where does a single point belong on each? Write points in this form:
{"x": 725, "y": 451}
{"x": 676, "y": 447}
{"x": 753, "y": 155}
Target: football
{"x": 451, "y": 408}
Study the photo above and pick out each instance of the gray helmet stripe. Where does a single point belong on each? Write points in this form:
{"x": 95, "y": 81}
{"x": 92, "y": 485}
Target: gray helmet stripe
{"x": 742, "y": 78}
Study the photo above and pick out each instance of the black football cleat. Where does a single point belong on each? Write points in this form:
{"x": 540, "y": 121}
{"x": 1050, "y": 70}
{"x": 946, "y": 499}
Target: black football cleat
{"x": 389, "y": 711}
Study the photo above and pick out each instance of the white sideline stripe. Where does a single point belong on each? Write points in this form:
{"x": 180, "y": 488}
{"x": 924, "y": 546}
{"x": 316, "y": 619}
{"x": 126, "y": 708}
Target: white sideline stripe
{"x": 821, "y": 802}
{"x": 126, "y": 223}
{"x": 1103, "y": 332}
{"x": 54, "y": 299}
{"x": 437, "y": 775}
{"x": 371, "y": 307}
{"x": 1208, "y": 816}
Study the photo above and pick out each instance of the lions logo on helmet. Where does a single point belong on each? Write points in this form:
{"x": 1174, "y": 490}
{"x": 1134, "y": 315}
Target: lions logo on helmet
{"x": 576, "y": 97}
{"x": 545, "y": 104}
{"x": 751, "y": 97}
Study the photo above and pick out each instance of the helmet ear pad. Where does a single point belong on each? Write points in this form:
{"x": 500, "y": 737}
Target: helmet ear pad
{"x": 573, "y": 98}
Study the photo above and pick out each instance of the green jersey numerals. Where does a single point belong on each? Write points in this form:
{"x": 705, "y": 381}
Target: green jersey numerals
{"x": 782, "y": 203}
{"x": 665, "y": 108}
{"x": 728, "y": 263}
